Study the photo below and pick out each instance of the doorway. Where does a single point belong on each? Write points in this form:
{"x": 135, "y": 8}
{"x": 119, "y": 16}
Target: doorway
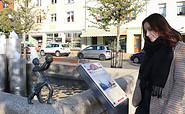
{"x": 137, "y": 43}
{"x": 94, "y": 40}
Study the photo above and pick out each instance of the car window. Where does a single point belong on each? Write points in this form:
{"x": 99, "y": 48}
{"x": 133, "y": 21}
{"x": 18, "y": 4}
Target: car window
{"x": 100, "y": 48}
{"x": 49, "y": 46}
{"x": 107, "y": 48}
{"x": 94, "y": 47}
{"x": 56, "y": 45}
{"x": 52, "y": 45}
{"x": 89, "y": 48}
{"x": 65, "y": 45}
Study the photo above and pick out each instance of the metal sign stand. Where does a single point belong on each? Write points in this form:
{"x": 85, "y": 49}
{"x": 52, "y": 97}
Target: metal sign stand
{"x": 105, "y": 88}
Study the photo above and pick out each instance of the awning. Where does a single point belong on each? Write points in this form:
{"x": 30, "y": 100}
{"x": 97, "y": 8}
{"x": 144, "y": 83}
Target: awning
{"x": 36, "y": 34}
{"x": 101, "y": 32}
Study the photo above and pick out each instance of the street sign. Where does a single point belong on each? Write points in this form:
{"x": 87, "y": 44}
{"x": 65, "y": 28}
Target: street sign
{"x": 105, "y": 87}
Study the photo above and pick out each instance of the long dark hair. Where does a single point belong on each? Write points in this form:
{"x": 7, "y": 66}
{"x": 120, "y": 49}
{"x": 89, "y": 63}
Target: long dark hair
{"x": 160, "y": 25}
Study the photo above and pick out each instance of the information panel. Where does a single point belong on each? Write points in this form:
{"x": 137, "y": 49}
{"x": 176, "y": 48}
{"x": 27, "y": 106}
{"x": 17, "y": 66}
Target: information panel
{"x": 101, "y": 83}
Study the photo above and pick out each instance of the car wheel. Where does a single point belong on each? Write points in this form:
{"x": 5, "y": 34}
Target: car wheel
{"x": 57, "y": 54}
{"x": 102, "y": 58}
{"x": 42, "y": 53}
{"x": 80, "y": 56}
{"x": 136, "y": 60}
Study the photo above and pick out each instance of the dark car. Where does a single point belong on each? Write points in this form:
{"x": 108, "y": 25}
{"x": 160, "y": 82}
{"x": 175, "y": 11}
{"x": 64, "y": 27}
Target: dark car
{"x": 137, "y": 57}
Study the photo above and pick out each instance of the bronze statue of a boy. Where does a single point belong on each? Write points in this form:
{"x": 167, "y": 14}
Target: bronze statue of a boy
{"x": 42, "y": 80}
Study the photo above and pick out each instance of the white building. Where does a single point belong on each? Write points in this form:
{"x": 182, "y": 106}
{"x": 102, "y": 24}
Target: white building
{"x": 66, "y": 22}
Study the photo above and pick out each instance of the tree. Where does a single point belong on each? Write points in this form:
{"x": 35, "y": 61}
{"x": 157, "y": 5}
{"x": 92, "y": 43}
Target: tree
{"x": 114, "y": 13}
{"x": 6, "y": 23}
{"x": 24, "y": 18}
{"x": 26, "y": 14}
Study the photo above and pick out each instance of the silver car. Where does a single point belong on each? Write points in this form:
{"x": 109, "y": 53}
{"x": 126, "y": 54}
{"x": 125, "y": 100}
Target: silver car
{"x": 101, "y": 52}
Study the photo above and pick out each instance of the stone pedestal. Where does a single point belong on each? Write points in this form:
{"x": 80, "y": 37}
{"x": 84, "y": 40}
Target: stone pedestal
{"x": 3, "y": 73}
{"x": 17, "y": 76}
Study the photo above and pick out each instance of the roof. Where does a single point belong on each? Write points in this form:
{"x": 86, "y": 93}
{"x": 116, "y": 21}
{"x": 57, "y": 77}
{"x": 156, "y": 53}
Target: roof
{"x": 101, "y": 32}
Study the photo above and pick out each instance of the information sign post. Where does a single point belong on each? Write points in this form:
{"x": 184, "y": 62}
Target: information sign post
{"x": 104, "y": 87}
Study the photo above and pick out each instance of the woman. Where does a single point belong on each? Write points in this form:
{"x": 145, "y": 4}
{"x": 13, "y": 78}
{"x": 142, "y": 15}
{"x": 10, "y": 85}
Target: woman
{"x": 161, "y": 81}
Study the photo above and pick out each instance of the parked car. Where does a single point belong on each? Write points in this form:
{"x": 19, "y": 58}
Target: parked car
{"x": 56, "y": 48}
{"x": 137, "y": 57}
{"x": 101, "y": 52}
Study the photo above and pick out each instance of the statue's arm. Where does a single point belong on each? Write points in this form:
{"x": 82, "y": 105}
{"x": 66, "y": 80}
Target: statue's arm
{"x": 44, "y": 66}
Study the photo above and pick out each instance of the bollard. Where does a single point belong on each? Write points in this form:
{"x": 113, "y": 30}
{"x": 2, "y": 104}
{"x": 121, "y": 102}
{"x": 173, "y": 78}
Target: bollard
{"x": 17, "y": 76}
{"x": 3, "y": 73}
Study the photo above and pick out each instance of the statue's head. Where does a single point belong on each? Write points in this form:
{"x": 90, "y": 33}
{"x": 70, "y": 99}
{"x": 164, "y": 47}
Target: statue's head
{"x": 35, "y": 61}
{"x": 49, "y": 58}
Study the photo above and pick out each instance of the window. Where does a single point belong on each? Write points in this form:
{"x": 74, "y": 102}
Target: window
{"x": 55, "y": 45}
{"x": 130, "y": 16}
{"x": 98, "y": 17}
{"x": 73, "y": 39}
{"x": 53, "y": 17}
{"x": 53, "y": 38}
{"x": 90, "y": 48}
{"x": 162, "y": 9}
{"x": 70, "y": 1}
{"x": 49, "y": 46}
{"x": 4, "y": 5}
{"x": 53, "y": 1}
{"x": 100, "y": 48}
{"x": 102, "y": 16}
{"x": 70, "y": 16}
{"x": 181, "y": 8}
{"x": 38, "y": 3}
{"x": 38, "y": 19}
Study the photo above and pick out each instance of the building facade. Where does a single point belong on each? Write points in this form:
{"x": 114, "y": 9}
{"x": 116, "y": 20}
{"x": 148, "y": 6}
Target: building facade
{"x": 66, "y": 23}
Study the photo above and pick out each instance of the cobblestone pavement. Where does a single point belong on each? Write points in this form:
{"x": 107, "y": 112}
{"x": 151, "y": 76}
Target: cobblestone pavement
{"x": 64, "y": 88}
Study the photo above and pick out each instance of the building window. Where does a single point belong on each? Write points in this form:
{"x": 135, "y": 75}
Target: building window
{"x": 74, "y": 40}
{"x": 53, "y": 1}
{"x": 70, "y": 1}
{"x": 162, "y": 9}
{"x": 53, "y": 17}
{"x": 4, "y": 5}
{"x": 51, "y": 38}
{"x": 101, "y": 17}
{"x": 130, "y": 16}
{"x": 70, "y": 16}
{"x": 98, "y": 17}
{"x": 181, "y": 8}
{"x": 38, "y": 3}
{"x": 38, "y": 19}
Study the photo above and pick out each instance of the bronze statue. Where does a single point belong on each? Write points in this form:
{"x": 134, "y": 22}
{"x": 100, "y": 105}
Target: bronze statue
{"x": 42, "y": 80}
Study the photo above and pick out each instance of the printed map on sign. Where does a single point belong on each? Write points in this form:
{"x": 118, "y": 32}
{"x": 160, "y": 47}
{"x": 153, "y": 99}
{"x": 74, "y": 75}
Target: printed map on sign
{"x": 106, "y": 83}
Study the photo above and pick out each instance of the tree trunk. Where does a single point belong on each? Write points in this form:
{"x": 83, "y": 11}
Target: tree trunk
{"x": 117, "y": 45}
{"x": 24, "y": 40}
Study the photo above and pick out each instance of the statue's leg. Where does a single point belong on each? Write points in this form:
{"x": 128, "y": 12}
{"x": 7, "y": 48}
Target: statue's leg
{"x": 37, "y": 91}
{"x": 30, "y": 98}
{"x": 50, "y": 101}
{"x": 40, "y": 99}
